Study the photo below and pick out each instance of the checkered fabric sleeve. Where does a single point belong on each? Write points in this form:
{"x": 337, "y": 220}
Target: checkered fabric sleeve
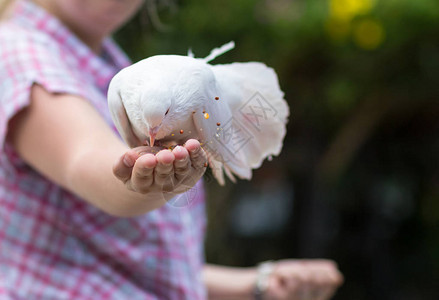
{"x": 27, "y": 61}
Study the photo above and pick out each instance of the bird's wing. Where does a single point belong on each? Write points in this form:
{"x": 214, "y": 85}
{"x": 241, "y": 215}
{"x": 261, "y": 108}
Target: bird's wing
{"x": 214, "y": 124}
{"x": 258, "y": 108}
{"x": 119, "y": 114}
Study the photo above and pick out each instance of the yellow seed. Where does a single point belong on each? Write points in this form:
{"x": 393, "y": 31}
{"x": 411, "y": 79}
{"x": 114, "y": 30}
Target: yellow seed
{"x": 172, "y": 134}
{"x": 206, "y": 116}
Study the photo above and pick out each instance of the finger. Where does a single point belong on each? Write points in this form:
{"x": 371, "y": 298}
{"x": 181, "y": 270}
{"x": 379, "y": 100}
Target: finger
{"x": 165, "y": 168}
{"x": 324, "y": 263}
{"x": 122, "y": 169}
{"x": 291, "y": 283}
{"x": 326, "y": 279}
{"x": 305, "y": 284}
{"x": 337, "y": 278}
{"x": 334, "y": 279}
{"x": 182, "y": 163}
{"x": 334, "y": 276}
{"x": 276, "y": 289}
{"x": 330, "y": 266}
{"x": 141, "y": 150}
{"x": 320, "y": 289}
{"x": 143, "y": 171}
{"x": 325, "y": 292}
{"x": 298, "y": 279}
{"x": 198, "y": 159}
{"x": 197, "y": 155}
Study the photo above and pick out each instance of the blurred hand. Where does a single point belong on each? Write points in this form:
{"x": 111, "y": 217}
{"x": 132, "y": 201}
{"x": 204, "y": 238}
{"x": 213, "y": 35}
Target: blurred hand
{"x": 303, "y": 280}
{"x": 167, "y": 172}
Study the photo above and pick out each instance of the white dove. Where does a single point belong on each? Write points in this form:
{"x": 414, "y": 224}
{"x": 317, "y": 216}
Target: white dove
{"x": 236, "y": 111}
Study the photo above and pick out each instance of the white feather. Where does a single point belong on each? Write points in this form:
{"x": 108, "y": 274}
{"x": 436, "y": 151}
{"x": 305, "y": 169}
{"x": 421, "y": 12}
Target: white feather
{"x": 254, "y": 95}
{"x": 219, "y": 51}
{"x": 190, "y": 53}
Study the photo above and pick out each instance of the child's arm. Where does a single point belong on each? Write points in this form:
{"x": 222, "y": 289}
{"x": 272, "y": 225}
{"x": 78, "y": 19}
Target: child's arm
{"x": 64, "y": 138}
{"x": 289, "y": 279}
{"x": 229, "y": 282}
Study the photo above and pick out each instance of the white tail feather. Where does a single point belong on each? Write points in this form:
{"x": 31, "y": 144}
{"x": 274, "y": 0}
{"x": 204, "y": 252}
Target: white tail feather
{"x": 219, "y": 51}
{"x": 190, "y": 53}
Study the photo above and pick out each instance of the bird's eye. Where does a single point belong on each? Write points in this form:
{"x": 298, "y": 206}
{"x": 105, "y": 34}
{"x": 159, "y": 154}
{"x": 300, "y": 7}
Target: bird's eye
{"x": 166, "y": 112}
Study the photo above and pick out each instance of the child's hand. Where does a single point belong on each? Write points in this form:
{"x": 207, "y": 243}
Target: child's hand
{"x": 167, "y": 172}
{"x": 304, "y": 280}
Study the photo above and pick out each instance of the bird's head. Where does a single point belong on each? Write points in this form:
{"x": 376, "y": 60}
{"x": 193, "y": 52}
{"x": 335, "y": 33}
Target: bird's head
{"x": 154, "y": 97}
{"x": 156, "y": 105}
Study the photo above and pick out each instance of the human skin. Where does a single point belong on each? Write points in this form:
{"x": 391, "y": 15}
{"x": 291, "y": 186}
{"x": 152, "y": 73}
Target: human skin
{"x": 92, "y": 21}
{"x": 97, "y": 166}
{"x": 292, "y": 279}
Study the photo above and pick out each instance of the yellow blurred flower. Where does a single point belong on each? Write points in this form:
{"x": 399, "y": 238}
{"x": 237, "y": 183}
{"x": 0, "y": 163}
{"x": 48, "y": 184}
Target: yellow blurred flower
{"x": 346, "y": 10}
{"x": 368, "y": 34}
{"x": 341, "y": 14}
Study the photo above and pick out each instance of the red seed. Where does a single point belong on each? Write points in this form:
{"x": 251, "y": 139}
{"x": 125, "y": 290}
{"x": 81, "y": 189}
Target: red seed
{"x": 218, "y": 124}
{"x": 216, "y": 98}
{"x": 205, "y": 164}
{"x": 204, "y": 111}
{"x": 181, "y": 131}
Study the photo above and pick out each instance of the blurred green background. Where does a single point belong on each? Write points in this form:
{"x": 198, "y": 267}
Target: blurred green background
{"x": 358, "y": 177}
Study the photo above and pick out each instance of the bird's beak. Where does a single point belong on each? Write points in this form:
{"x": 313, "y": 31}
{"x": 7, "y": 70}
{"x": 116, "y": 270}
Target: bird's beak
{"x": 152, "y": 135}
{"x": 151, "y": 139}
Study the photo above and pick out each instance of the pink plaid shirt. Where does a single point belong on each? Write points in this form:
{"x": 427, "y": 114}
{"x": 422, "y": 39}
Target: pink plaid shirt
{"x": 54, "y": 245}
